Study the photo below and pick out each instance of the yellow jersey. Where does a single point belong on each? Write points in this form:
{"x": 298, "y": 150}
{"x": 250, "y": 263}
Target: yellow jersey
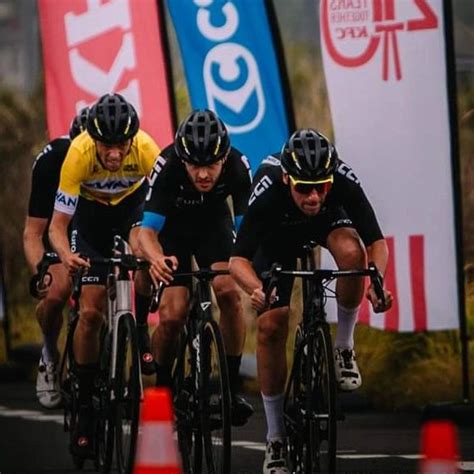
{"x": 82, "y": 174}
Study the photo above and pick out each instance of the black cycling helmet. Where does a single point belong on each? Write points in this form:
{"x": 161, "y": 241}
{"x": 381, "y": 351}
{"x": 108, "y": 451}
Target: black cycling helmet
{"x": 79, "y": 123}
{"x": 112, "y": 120}
{"x": 308, "y": 155}
{"x": 202, "y": 138}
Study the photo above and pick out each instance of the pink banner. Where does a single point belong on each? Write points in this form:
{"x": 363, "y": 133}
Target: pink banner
{"x": 91, "y": 47}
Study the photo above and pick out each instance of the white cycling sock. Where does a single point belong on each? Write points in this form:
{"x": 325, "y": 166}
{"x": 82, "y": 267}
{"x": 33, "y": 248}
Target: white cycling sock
{"x": 273, "y": 406}
{"x": 48, "y": 355}
{"x": 346, "y": 321}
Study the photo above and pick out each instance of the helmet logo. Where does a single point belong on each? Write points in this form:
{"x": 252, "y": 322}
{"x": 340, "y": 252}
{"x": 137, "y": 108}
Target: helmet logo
{"x": 183, "y": 141}
{"x": 295, "y": 160}
{"x": 127, "y": 128}
{"x": 96, "y": 123}
{"x": 218, "y": 145}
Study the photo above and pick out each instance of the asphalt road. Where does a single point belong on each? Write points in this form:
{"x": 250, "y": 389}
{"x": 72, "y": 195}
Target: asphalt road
{"x": 32, "y": 439}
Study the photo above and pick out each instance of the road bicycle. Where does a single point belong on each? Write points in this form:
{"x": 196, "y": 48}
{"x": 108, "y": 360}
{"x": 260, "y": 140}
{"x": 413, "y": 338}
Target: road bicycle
{"x": 201, "y": 390}
{"x": 118, "y": 389}
{"x": 310, "y": 394}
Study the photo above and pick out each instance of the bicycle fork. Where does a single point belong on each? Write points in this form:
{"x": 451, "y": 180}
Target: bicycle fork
{"x": 119, "y": 303}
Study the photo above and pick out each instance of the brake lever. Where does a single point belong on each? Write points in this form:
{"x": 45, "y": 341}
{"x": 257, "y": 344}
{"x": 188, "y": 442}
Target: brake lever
{"x": 156, "y": 297}
{"x": 377, "y": 282}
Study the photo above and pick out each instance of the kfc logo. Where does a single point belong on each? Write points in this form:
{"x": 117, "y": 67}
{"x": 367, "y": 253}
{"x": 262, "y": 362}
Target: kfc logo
{"x": 353, "y": 30}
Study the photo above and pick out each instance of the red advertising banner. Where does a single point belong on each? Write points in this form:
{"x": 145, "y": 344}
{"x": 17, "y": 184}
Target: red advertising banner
{"x": 92, "y": 47}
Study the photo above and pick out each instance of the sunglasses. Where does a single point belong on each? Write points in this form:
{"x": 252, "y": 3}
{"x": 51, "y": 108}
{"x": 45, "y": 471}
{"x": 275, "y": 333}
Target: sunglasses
{"x": 305, "y": 187}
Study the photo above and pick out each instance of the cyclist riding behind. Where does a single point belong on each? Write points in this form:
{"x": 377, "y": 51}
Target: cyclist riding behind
{"x": 304, "y": 193}
{"x": 186, "y": 214}
{"x": 102, "y": 190}
{"x": 53, "y": 296}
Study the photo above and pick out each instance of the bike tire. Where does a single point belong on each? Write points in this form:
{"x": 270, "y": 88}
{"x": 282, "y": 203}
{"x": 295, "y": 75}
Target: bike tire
{"x": 214, "y": 400}
{"x": 105, "y": 427}
{"x": 294, "y": 406}
{"x": 70, "y": 388}
{"x": 321, "y": 405}
{"x": 186, "y": 406}
{"x": 127, "y": 394}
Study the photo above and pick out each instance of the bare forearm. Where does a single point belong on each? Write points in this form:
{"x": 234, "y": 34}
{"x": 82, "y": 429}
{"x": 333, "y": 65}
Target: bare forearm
{"x": 377, "y": 252}
{"x": 35, "y": 227}
{"x": 58, "y": 235}
{"x": 34, "y": 249}
{"x": 242, "y": 271}
{"x": 149, "y": 245}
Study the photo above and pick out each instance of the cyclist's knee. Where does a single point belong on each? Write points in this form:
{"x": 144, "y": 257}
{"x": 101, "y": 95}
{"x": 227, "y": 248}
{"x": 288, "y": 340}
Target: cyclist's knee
{"x": 52, "y": 304}
{"x": 228, "y": 298}
{"x": 347, "y": 248}
{"x": 171, "y": 327}
{"x": 273, "y": 325}
{"x": 91, "y": 319}
{"x": 173, "y": 308}
{"x": 172, "y": 316}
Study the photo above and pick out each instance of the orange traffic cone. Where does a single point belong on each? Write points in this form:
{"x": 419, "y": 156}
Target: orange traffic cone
{"x": 156, "y": 448}
{"x": 439, "y": 447}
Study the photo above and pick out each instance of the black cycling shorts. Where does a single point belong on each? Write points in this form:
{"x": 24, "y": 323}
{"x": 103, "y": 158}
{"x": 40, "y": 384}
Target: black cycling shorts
{"x": 285, "y": 246}
{"x": 209, "y": 240}
{"x": 94, "y": 226}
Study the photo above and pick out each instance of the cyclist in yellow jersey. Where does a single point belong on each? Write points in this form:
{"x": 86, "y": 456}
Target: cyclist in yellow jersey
{"x": 101, "y": 192}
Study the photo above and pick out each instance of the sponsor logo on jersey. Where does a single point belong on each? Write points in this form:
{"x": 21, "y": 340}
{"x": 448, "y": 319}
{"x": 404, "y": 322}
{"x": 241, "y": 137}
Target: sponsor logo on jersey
{"x": 271, "y": 160}
{"x": 260, "y": 188}
{"x": 345, "y": 170}
{"x": 65, "y": 202}
{"x": 111, "y": 185}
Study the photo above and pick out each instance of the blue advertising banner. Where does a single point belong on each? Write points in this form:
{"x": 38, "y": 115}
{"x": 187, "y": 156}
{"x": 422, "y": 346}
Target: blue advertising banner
{"x": 234, "y": 66}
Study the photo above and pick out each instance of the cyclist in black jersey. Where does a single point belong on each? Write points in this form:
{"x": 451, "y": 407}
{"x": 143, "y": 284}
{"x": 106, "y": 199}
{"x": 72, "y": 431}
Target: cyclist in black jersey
{"x": 304, "y": 193}
{"x": 44, "y": 182}
{"x": 186, "y": 214}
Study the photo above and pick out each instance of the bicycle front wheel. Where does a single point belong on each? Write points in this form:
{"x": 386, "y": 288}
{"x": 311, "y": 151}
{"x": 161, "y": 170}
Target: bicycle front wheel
{"x": 104, "y": 436}
{"x": 214, "y": 398}
{"x": 321, "y": 405}
{"x": 188, "y": 426}
{"x": 127, "y": 394}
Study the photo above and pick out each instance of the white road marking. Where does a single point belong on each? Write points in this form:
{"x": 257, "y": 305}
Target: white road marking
{"x": 33, "y": 415}
{"x": 36, "y": 415}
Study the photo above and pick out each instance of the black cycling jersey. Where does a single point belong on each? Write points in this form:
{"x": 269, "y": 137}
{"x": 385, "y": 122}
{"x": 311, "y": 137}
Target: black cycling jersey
{"x": 189, "y": 222}
{"x": 272, "y": 214}
{"x": 173, "y": 195}
{"x": 45, "y": 177}
{"x": 274, "y": 229}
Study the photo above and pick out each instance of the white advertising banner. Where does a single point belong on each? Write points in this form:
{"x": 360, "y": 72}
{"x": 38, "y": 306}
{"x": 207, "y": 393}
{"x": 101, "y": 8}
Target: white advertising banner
{"x": 385, "y": 68}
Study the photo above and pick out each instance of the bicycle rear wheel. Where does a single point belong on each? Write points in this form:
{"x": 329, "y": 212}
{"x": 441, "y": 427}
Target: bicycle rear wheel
{"x": 127, "y": 393}
{"x": 214, "y": 397}
{"x": 186, "y": 406}
{"x": 321, "y": 405}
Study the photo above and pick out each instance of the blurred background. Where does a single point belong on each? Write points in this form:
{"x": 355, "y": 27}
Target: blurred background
{"x": 399, "y": 370}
